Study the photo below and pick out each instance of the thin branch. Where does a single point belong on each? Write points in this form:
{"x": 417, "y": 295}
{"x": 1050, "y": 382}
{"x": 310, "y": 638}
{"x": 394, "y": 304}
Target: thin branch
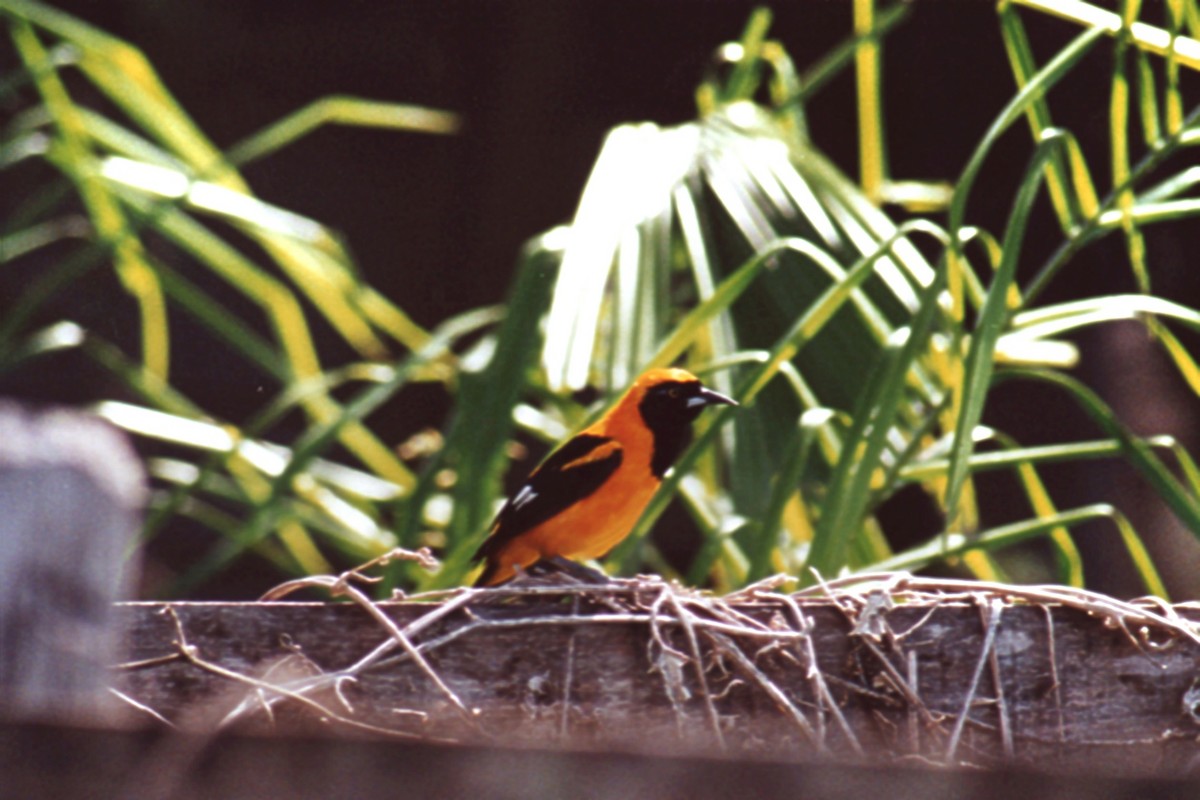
{"x": 827, "y": 702}
{"x": 1056, "y": 687}
{"x": 1006, "y": 735}
{"x": 568, "y": 677}
{"x": 989, "y": 640}
{"x": 143, "y": 708}
{"x": 685, "y": 619}
{"x": 751, "y": 670}
{"x": 192, "y": 654}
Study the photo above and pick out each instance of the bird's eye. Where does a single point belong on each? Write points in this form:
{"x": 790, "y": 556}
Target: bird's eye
{"x": 674, "y": 393}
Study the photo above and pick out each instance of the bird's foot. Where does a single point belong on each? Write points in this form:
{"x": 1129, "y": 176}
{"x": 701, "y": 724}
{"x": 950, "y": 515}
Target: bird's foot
{"x": 559, "y": 567}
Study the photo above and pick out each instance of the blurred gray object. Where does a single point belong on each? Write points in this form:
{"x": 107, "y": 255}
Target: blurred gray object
{"x": 71, "y": 495}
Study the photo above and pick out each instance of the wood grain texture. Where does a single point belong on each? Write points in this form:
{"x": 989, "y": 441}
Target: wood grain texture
{"x": 549, "y": 673}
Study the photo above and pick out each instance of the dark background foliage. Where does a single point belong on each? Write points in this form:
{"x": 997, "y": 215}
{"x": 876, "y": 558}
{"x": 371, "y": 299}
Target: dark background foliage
{"x": 436, "y": 222}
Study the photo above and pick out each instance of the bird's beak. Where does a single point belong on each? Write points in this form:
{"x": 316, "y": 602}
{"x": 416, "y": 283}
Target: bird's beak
{"x": 707, "y": 397}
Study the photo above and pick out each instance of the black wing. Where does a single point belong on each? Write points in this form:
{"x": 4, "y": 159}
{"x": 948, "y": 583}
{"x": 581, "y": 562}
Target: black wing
{"x": 552, "y": 487}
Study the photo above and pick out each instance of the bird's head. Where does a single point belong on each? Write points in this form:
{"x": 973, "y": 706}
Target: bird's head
{"x": 673, "y": 396}
{"x": 667, "y": 401}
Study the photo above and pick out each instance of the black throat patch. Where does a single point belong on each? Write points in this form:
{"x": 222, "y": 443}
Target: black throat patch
{"x": 665, "y": 412}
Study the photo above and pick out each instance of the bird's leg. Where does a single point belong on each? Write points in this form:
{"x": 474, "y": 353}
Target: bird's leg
{"x": 565, "y": 566}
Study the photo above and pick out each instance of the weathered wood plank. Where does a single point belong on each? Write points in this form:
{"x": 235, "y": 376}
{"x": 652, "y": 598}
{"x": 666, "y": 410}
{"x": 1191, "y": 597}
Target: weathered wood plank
{"x": 571, "y": 671}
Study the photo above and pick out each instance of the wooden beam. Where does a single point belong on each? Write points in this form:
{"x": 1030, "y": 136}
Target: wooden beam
{"x": 963, "y": 680}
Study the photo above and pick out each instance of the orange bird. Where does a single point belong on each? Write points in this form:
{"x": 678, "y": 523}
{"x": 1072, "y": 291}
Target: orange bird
{"x": 587, "y": 495}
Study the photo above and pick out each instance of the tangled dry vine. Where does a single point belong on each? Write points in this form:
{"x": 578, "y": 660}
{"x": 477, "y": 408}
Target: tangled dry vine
{"x": 846, "y": 668}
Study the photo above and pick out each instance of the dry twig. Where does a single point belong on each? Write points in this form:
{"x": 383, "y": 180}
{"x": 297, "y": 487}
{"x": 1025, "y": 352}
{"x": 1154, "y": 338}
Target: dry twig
{"x": 755, "y": 641}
